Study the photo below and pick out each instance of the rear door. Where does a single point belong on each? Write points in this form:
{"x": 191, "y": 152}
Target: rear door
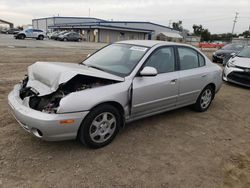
{"x": 36, "y": 33}
{"x": 192, "y": 75}
{"x": 160, "y": 92}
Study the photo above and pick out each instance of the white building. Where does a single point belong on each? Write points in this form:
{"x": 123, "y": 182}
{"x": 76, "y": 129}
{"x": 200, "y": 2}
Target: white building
{"x": 98, "y": 30}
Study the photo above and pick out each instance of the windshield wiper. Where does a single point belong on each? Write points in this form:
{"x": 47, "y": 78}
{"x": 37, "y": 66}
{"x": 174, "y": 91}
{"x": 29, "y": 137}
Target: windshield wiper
{"x": 98, "y": 68}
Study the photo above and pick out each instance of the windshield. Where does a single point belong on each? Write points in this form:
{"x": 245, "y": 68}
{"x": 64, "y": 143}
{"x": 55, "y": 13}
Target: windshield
{"x": 245, "y": 53}
{"x": 63, "y": 32}
{"x": 236, "y": 47}
{"x": 118, "y": 59}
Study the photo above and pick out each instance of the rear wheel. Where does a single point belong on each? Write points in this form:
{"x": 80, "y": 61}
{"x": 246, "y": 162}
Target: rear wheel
{"x": 40, "y": 37}
{"x": 100, "y": 126}
{"x": 65, "y": 39}
{"x": 204, "y": 100}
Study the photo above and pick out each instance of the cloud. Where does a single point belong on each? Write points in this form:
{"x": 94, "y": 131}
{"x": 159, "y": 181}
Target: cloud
{"x": 216, "y": 15}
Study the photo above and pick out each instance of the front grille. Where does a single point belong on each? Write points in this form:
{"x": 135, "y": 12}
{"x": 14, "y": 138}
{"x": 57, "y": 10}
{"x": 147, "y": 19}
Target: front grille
{"x": 240, "y": 77}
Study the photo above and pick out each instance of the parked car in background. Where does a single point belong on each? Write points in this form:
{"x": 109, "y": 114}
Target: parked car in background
{"x": 70, "y": 36}
{"x": 120, "y": 83}
{"x": 237, "y": 69}
{"x": 55, "y": 36}
{"x": 52, "y": 34}
{"x": 31, "y": 33}
{"x": 4, "y": 30}
{"x": 13, "y": 31}
{"x": 225, "y": 52}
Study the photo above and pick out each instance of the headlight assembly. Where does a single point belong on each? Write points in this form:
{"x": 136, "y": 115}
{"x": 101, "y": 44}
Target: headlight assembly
{"x": 230, "y": 64}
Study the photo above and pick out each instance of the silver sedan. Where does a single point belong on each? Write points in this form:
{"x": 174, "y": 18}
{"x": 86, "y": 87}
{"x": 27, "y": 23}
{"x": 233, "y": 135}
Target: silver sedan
{"x": 120, "y": 83}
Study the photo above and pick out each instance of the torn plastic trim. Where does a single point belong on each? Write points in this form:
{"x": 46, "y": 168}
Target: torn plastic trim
{"x": 49, "y": 103}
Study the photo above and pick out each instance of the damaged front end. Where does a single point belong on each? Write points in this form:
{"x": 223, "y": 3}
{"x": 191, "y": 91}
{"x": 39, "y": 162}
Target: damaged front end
{"x": 49, "y": 103}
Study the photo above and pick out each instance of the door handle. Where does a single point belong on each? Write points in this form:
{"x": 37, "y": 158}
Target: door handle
{"x": 173, "y": 81}
{"x": 204, "y": 75}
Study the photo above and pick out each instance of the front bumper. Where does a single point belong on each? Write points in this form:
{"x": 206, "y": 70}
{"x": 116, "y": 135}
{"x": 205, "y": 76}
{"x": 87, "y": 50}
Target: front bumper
{"x": 43, "y": 125}
{"x": 237, "y": 76}
{"x": 218, "y": 59}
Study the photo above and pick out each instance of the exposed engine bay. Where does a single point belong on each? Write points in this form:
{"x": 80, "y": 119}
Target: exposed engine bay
{"x": 49, "y": 103}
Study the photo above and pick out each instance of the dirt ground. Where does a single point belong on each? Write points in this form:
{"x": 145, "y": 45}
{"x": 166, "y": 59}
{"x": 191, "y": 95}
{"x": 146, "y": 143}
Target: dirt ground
{"x": 177, "y": 149}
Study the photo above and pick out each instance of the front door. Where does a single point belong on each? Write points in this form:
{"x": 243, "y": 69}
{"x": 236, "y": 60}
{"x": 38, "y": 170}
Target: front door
{"x": 160, "y": 92}
{"x": 29, "y": 33}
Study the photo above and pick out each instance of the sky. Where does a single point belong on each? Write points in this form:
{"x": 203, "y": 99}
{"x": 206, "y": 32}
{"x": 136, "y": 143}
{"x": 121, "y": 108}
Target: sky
{"x": 215, "y": 15}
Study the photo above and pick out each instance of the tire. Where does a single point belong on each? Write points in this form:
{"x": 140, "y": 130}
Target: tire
{"x": 79, "y": 40}
{"x": 65, "y": 39}
{"x": 40, "y": 37}
{"x": 205, "y": 99}
{"x": 100, "y": 126}
{"x": 22, "y": 37}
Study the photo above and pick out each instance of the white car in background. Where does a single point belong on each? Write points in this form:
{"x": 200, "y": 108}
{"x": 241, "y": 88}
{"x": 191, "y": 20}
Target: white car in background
{"x": 31, "y": 33}
{"x": 237, "y": 69}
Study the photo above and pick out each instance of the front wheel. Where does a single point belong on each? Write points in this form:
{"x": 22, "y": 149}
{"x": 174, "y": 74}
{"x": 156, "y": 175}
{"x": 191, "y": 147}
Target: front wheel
{"x": 100, "y": 126}
{"x": 22, "y": 37}
{"x": 205, "y": 99}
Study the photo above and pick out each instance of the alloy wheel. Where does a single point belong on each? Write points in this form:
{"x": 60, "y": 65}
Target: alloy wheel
{"x": 206, "y": 98}
{"x": 102, "y": 127}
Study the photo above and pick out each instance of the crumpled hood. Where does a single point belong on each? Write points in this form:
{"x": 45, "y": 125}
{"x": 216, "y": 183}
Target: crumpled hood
{"x": 45, "y": 77}
{"x": 241, "y": 62}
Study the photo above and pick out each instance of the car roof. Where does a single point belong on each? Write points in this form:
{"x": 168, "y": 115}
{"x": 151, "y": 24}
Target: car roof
{"x": 149, "y": 43}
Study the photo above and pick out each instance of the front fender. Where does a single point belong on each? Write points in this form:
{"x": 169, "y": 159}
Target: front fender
{"x": 87, "y": 99}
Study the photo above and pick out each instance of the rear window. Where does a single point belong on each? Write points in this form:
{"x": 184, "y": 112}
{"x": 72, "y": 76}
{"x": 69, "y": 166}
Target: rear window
{"x": 37, "y": 30}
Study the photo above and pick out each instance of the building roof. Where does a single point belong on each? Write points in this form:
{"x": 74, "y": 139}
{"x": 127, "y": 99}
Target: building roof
{"x": 171, "y": 35}
{"x": 98, "y": 25}
{"x": 106, "y": 21}
{"x": 68, "y": 17}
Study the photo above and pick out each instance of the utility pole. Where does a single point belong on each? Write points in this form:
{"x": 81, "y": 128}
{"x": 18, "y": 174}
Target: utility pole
{"x": 170, "y": 22}
{"x": 235, "y": 20}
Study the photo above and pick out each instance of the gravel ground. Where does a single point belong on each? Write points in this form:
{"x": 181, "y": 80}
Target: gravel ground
{"x": 176, "y": 149}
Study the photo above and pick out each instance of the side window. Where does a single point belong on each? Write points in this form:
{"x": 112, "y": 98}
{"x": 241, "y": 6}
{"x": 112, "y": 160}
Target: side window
{"x": 162, "y": 60}
{"x": 201, "y": 60}
{"x": 29, "y": 31}
{"x": 188, "y": 58}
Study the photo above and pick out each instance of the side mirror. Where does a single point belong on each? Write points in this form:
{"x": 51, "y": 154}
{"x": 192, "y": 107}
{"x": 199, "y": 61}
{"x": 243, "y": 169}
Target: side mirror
{"x": 88, "y": 55}
{"x": 148, "y": 71}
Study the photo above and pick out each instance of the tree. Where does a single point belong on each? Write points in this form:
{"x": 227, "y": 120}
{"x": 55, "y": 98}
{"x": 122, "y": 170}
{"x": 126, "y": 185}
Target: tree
{"x": 203, "y": 33}
{"x": 226, "y": 37}
{"x": 245, "y": 34}
{"x": 197, "y": 29}
{"x": 20, "y": 27}
{"x": 177, "y": 25}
